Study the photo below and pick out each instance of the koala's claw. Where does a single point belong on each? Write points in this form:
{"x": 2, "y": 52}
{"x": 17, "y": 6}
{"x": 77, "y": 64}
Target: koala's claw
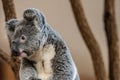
{"x": 34, "y": 78}
{"x": 29, "y": 14}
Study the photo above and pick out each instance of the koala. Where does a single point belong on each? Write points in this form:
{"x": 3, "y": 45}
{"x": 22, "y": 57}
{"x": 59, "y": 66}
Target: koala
{"x": 43, "y": 53}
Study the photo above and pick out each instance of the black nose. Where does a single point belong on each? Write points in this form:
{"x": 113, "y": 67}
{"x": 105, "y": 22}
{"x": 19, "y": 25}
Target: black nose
{"x": 14, "y": 49}
{"x": 15, "y": 53}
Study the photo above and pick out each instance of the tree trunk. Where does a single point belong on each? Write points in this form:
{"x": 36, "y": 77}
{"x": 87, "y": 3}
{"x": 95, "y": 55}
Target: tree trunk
{"x": 14, "y": 62}
{"x": 4, "y": 56}
{"x": 9, "y": 9}
{"x": 112, "y": 38}
{"x": 89, "y": 39}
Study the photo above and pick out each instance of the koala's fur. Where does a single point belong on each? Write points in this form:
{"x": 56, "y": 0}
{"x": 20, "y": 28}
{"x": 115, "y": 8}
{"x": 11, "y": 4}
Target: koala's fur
{"x": 46, "y": 56}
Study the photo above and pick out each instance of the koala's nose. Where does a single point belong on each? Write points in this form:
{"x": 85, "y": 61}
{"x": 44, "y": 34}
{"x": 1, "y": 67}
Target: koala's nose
{"x": 15, "y": 53}
{"x": 14, "y": 49}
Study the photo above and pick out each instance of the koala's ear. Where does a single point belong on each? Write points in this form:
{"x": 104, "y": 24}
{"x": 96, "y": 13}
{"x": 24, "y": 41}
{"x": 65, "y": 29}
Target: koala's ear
{"x": 11, "y": 24}
{"x": 32, "y": 14}
{"x": 10, "y": 27}
{"x": 43, "y": 18}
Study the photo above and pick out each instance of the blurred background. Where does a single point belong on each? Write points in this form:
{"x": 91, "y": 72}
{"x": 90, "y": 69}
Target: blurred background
{"x": 60, "y": 16}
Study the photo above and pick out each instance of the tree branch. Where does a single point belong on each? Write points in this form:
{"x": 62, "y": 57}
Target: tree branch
{"x": 89, "y": 40}
{"x": 112, "y": 38}
{"x": 5, "y": 57}
{"x": 14, "y": 62}
{"x": 9, "y": 9}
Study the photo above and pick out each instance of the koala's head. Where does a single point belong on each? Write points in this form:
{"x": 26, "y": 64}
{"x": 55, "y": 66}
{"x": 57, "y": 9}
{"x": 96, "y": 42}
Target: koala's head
{"x": 26, "y": 36}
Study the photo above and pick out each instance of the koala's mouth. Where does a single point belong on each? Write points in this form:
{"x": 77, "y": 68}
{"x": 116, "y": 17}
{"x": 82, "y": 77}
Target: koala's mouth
{"x": 24, "y": 54}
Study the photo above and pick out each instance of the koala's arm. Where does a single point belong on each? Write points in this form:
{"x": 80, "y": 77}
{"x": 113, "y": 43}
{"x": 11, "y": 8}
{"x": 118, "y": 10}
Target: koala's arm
{"x": 28, "y": 70}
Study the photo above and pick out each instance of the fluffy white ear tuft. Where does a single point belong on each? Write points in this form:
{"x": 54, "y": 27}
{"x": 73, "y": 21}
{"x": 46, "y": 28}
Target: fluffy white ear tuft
{"x": 34, "y": 15}
{"x": 11, "y": 24}
{"x": 10, "y": 27}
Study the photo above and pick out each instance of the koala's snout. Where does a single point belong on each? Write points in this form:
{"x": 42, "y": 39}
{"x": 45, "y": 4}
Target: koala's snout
{"x": 15, "y": 53}
{"x": 14, "y": 48}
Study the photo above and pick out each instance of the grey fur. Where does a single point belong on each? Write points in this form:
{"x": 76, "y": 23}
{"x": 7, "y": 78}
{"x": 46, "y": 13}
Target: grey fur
{"x": 39, "y": 34}
{"x": 27, "y": 70}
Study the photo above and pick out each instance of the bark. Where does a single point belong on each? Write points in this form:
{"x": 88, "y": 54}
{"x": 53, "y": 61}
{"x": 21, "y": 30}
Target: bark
{"x": 4, "y": 56}
{"x": 9, "y": 9}
{"x": 112, "y": 39}
{"x": 89, "y": 39}
{"x": 14, "y": 62}
{"x": 15, "y": 65}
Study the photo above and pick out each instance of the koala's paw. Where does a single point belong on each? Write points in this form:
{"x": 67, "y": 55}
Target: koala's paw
{"x": 32, "y": 78}
{"x": 29, "y": 14}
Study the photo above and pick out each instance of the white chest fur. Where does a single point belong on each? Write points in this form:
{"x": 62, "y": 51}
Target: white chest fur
{"x": 44, "y": 65}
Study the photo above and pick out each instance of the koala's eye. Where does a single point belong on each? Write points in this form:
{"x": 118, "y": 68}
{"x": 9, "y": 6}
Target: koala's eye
{"x": 22, "y": 38}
